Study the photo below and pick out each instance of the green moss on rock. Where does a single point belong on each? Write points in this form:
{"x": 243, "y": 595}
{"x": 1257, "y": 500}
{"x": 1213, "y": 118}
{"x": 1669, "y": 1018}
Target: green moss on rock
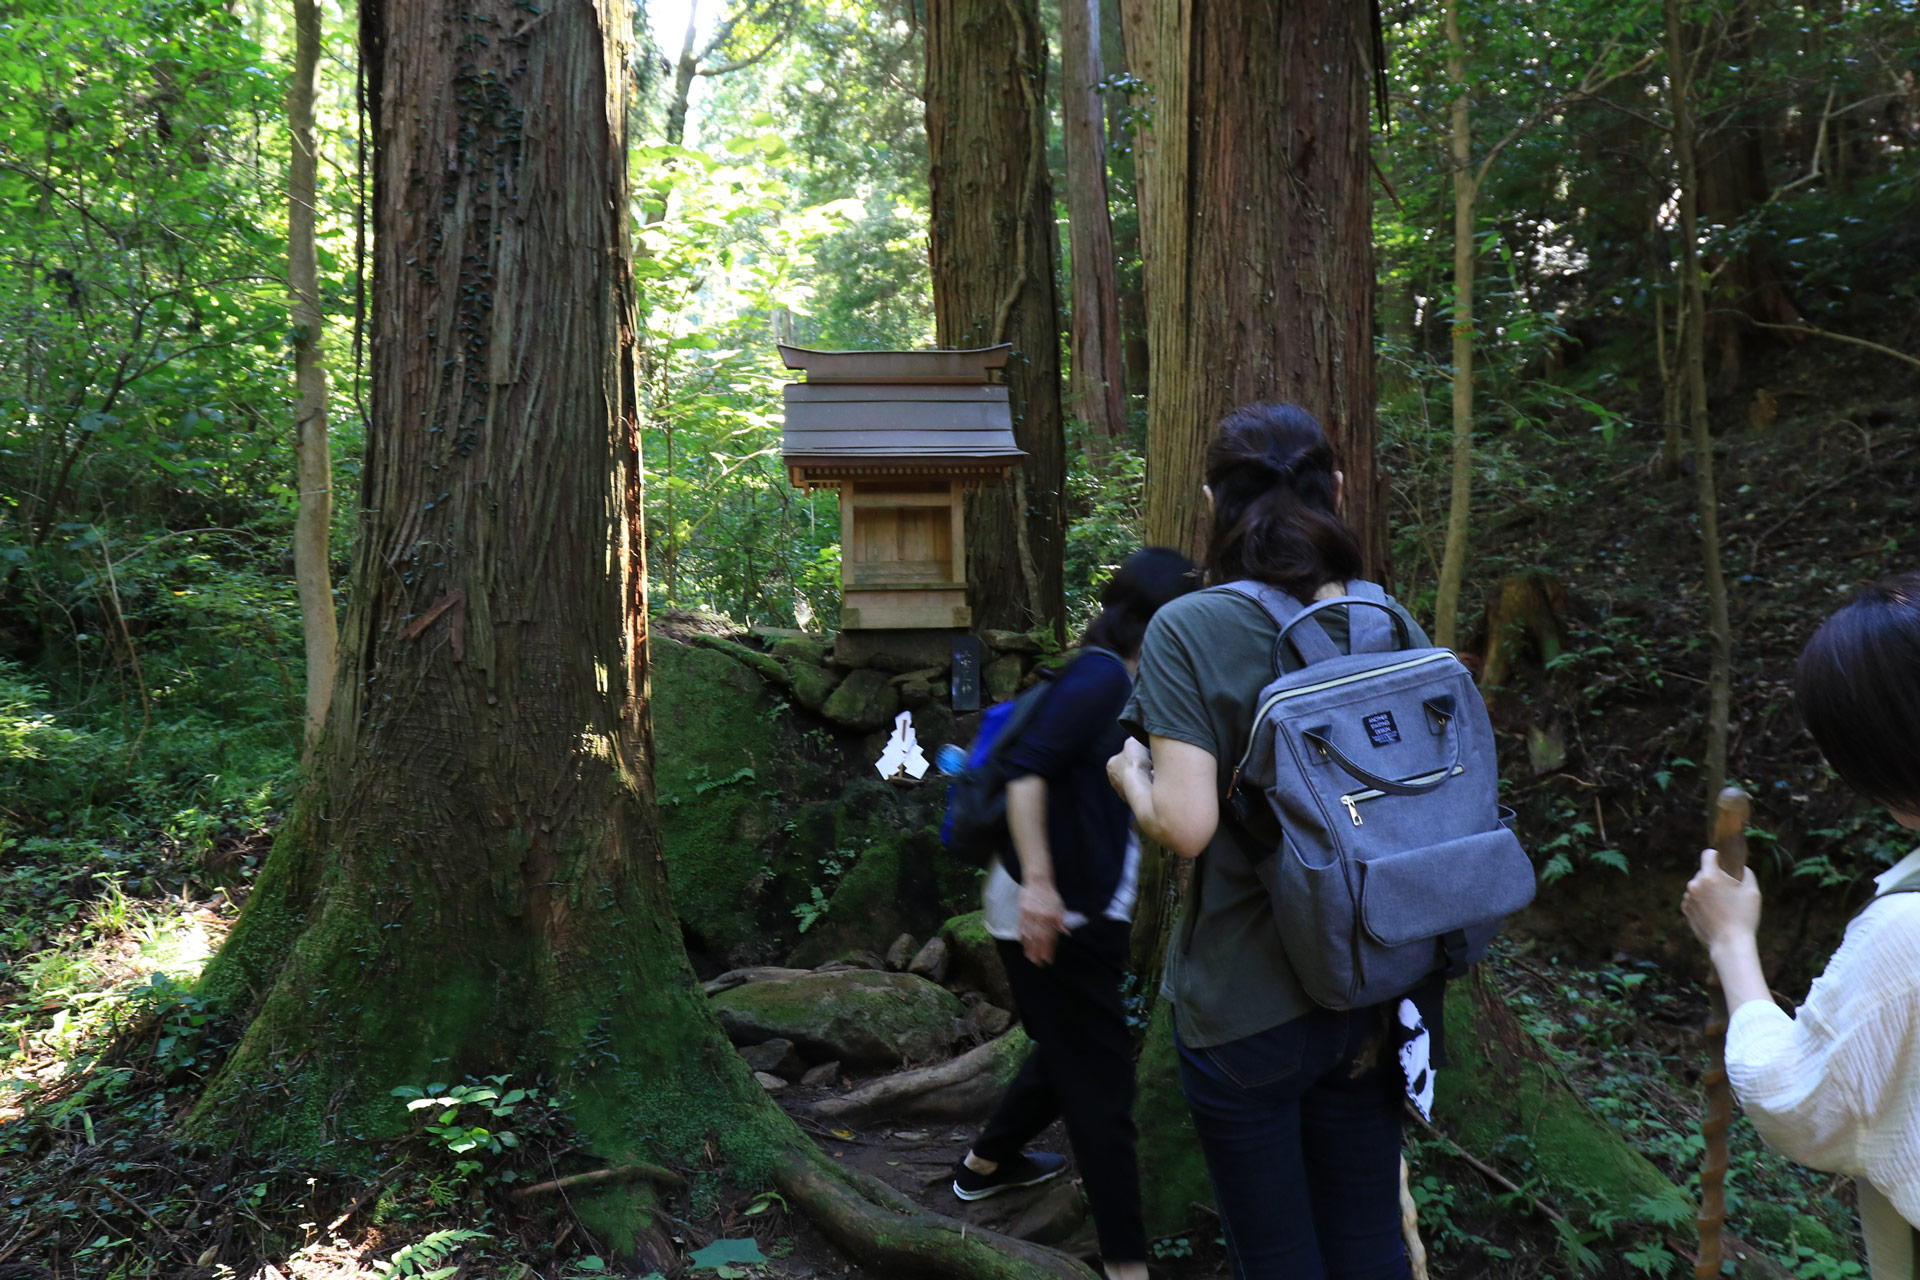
{"x": 976, "y": 958}
{"x": 855, "y": 1016}
{"x": 866, "y": 700}
{"x": 813, "y": 685}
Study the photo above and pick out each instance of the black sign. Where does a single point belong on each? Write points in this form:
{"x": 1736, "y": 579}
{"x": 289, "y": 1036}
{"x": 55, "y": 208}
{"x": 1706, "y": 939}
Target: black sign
{"x": 966, "y": 672}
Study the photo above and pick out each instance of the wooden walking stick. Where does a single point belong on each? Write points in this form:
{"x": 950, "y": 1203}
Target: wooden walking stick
{"x": 1730, "y": 812}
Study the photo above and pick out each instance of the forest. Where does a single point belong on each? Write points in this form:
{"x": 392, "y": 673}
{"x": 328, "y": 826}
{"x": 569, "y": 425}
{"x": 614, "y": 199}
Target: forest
{"x": 440, "y": 829}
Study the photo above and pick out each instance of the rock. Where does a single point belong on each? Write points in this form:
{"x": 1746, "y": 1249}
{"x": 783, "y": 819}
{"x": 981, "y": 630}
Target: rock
{"x": 915, "y": 694}
{"x": 797, "y": 649}
{"x": 895, "y": 651}
{"x": 931, "y": 962}
{"x": 1001, "y": 679}
{"x": 771, "y": 1083}
{"x": 775, "y": 1057}
{"x": 812, "y": 685}
{"x": 902, "y": 950}
{"x": 940, "y": 690}
{"x": 976, "y": 958}
{"x": 923, "y": 675}
{"x": 853, "y": 960}
{"x": 824, "y": 1076}
{"x": 857, "y": 1018}
{"x": 863, "y": 702}
{"x": 985, "y": 1021}
{"x": 741, "y": 977}
{"x": 1011, "y": 641}
{"x": 767, "y": 635}
{"x": 1054, "y": 1217}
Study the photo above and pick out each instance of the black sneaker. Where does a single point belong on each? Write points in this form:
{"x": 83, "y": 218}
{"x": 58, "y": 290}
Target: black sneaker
{"x": 1021, "y": 1171}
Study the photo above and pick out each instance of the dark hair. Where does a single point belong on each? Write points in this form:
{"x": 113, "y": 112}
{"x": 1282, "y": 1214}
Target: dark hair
{"x": 1858, "y": 687}
{"x": 1144, "y": 581}
{"x": 1271, "y": 471}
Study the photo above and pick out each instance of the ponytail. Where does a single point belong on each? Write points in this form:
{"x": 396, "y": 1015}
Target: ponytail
{"x": 1274, "y": 521}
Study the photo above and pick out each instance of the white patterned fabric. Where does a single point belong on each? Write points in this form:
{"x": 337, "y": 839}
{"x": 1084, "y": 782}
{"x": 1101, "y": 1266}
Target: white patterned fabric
{"x": 1416, "y": 1059}
{"x": 1837, "y": 1085}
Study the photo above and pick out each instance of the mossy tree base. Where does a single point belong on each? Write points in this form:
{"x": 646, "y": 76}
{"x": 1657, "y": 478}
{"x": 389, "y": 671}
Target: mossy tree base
{"x": 472, "y": 883}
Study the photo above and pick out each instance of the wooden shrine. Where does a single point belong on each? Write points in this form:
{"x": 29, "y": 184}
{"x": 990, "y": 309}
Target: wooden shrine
{"x": 902, "y": 435}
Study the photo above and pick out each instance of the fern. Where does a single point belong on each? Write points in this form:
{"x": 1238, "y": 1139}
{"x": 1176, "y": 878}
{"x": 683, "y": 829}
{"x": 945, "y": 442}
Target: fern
{"x": 422, "y": 1259}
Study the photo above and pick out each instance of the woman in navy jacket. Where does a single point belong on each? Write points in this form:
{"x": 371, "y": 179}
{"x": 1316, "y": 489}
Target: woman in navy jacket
{"x": 1059, "y": 903}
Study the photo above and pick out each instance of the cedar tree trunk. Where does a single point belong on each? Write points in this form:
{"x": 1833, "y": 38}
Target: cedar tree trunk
{"x": 313, "y": 463}
{"x": 992, "y": 250}
{"x": 1255, "y": 198}
{"x": 1096, "y": 389}
{"x": 471, "y": 880}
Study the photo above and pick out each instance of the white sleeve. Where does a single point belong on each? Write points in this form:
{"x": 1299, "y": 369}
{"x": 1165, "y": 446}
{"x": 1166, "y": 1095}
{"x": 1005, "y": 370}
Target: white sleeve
{"x": 1833, "y": 1087}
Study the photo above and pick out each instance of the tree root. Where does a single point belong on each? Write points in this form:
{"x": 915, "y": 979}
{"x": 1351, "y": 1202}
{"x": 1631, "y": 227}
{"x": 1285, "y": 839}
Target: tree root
{"x": 882, "y": 1230}
{"x": 596, "y": 1177}
{"x": 960, "y": 1088}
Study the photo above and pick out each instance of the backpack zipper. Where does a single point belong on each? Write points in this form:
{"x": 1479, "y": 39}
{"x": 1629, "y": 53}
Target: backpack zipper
{"x": 1353, "y": 798}
{"x": 1261, "y": 714}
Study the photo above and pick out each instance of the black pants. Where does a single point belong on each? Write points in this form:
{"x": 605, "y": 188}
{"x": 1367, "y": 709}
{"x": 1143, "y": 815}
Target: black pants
{"x": 1080, "y": 1069}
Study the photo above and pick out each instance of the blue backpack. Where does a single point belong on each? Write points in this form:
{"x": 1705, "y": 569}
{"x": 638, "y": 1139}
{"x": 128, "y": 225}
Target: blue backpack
{"x": 1392, "y": 861}
{"x": 975, "y": 829}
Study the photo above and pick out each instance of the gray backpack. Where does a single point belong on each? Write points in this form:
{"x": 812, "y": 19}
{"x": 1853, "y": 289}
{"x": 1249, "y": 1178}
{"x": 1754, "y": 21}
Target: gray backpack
{"x": 1375, "y": 774}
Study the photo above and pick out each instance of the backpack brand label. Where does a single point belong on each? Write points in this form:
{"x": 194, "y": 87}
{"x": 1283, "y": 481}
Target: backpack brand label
{"x": 1381, "y": 730}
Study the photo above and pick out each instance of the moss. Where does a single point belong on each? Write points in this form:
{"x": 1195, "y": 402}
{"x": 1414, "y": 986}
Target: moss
{"x": 866, "y": 700}
{"x": 799, "y": 649}
{"x": 813, "y": 685}
{"x": 1498, "y": 1085}
{"x": 1169, "y": 1150}
{"x": 727, "y": 762}
{"x": 766, "y": 666}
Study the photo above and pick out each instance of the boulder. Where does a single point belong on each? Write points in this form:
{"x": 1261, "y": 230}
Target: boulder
{"x": 1001, "y": 679}
{"x": 1011, "y": 641}
{"x": 865, "y": 701}
{"x": 855, "y": 1017}
{"x": 776, "y": 1058}
{"x": 915, "y": 694}
{"x": 824, "y": 1076}
{"x": 986, "y": 1021}
{"x": 975, "y": 958}
{"x": 902, "y": 950}
{"x": 931, "y": 962}
{"x": 771, "y": 1083}
{"x": 813, "y": 685}
{"x": 798, "y": 649}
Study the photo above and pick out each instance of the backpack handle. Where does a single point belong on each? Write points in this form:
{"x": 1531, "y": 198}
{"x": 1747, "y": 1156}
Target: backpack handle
{"x": 1401, "y": 635}
{"x": 1322, "y": 739}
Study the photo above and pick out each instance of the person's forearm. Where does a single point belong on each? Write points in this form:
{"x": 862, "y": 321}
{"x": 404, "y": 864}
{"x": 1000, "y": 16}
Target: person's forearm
{"x": 1027, "y": 822}
{"x": 1737, "y": 961}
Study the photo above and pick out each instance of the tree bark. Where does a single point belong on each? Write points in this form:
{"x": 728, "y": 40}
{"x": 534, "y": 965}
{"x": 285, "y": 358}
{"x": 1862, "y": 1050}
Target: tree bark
{"x": 1096, "y": 389}
{"x": 1694, "y": 370}
{"x": 1465, "y": 187}
{"x": 470, "y": 882}
{"x": 313, "y": 462}
{"x": 992, "y": 251}
{"x": 1256, "y": 232}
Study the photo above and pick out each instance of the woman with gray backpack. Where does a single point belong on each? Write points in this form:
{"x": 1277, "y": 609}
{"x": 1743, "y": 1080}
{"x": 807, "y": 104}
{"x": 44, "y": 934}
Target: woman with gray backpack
{"x": 1333, "y": 776}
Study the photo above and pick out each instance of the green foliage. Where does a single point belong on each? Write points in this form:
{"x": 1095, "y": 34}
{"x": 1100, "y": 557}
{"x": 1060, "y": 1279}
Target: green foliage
{"x": 427, "y": 1258}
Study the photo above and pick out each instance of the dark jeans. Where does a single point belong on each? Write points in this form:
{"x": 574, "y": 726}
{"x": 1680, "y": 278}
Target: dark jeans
{"x": 1081, "y": 1069}
{"x": 1300, "y": 1126}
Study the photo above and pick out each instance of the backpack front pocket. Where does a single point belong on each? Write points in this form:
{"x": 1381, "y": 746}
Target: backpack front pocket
{"x": 1414, "y": 894}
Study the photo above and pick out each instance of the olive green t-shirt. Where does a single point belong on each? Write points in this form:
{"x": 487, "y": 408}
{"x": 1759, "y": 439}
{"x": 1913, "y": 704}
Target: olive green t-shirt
{"x": 1205, "y": 659}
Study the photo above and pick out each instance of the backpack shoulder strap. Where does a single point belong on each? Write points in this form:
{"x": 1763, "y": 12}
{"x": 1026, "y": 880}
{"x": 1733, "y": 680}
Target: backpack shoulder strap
{"x": 1313, "y": 644}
